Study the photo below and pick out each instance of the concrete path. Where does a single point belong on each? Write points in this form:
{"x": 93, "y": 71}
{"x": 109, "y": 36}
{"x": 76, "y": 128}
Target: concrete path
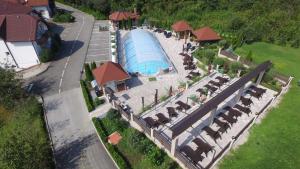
{"x": 99, "y": 46}
{"x": 76, "y": 145}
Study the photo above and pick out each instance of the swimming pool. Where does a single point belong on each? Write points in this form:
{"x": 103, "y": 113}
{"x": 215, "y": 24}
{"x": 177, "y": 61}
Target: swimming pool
{"x": 143, "y": 53}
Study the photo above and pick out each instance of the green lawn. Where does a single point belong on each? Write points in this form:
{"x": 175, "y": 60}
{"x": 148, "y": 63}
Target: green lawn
{"x": 275, "y": 142}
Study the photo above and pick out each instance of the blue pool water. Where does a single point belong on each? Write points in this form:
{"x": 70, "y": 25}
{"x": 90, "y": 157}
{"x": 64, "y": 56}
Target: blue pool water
{"x": 143, "y": 53}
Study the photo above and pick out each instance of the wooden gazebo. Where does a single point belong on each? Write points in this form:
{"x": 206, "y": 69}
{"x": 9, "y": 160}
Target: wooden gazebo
{"x": 182, "y": 29}
{"x": 121, "y": 16}
{"x": 206, "y": 34}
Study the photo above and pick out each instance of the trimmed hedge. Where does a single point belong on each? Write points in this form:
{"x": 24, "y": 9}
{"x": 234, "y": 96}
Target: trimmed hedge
{"x": 87, "y": 97}
{"x": 88, "y": 73}
{"x": 113, "y": 150}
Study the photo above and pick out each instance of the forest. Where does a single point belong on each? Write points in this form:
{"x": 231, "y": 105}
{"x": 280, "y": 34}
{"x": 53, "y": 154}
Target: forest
{"x": 243, "y": 21}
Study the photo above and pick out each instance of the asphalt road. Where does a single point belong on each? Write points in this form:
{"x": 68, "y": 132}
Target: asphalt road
{"x": 75, "y": 140}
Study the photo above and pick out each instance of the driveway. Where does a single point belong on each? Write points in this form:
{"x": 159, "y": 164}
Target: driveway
{"x": 76, "y": 145}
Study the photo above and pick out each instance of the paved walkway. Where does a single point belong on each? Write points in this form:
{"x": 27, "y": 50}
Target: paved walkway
{"x": 99, "y": 46}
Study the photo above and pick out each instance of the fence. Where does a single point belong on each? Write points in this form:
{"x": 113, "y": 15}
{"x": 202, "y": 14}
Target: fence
{"x": 186, "y": 162}
{"x": 263, "y": 109}
{"x": 242, "y": 131}
{"x": 218, "y": 156}
{"x": 228, "y": 54}
{"x": 142, "y": 124}
{"x": 164, "y": 141}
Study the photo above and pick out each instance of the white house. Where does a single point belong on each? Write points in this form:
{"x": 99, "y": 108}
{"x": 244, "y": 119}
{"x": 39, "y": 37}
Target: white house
{"x": 22, "y": 37}
{"x": 44, "y": 7}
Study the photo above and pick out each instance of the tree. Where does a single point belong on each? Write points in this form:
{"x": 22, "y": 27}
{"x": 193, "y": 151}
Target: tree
{"x": 88, "y": 73}
{"x": 93, "y": 65}
{"x": 249, "y": 56}
{"x": 10, "y": 88}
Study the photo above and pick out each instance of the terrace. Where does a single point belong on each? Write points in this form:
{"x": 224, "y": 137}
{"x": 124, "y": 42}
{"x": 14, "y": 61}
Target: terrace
{"x": 197, "y": 134}
{"x": 141, "y": 86}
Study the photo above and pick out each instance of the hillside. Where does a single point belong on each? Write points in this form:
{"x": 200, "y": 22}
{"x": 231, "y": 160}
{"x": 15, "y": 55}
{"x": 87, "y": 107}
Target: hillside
{"x": 243, "y": 20}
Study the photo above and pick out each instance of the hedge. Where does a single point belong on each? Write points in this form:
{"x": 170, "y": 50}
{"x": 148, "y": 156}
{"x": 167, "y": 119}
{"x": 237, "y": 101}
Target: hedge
{"x": 113, "y": 150}
{"x": 87, "y": 97}
{"x": 88, "y": 73}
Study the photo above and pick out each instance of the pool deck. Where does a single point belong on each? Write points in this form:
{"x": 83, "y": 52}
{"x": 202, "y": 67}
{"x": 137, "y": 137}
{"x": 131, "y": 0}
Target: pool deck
{"x": 142, "y": 87}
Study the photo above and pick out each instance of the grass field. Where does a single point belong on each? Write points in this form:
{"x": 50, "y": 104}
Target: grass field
{"x": 273, "y": 144}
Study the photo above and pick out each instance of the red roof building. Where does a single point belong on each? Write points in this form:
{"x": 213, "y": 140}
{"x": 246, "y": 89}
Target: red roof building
{"x": 119, "y": 16}
{"x": 111, "y": 75}
{"x": 181, "y": 26}
{"x": 206, "y": 34}
{"x": 7, "y": 8}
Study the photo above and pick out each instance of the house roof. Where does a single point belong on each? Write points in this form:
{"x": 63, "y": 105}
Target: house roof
{"x": 33, "y": 3}
{"x": 20, "y": 28}
{"x": 181, "y": 26}
{"x": 108, "y": 72}
{"x": 11, "y": 7}
{"x": 114, "y": 138}
{"x": 206, "y": 34}
{"x": 120, "y": 15}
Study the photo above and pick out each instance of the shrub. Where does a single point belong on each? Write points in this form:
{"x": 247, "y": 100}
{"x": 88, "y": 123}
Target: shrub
{"x": 163, "y": 98}
{"x": 235, "y": 67}
{"x": 88, "y": 73}
{"x": 98, "y": 102}
{"x": 295, "y": 43}
{"x": 56, "y": 43}
{"x": 87, "y": 97}
{"x": 209, "y": 55}
{"x": 46, "y": 55}
{"x": 113, "y": 114}
{"x": 152, "y": 79}
{"x": 156, "y": 156}
{"x": 93, "y": 65}
{"x": 249, "y": 56}
{"x": 62, "y": 16}
{"x": 219, "y": 61}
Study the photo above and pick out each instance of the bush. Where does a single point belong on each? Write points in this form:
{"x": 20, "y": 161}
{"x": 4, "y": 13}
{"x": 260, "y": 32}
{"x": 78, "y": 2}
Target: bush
{"x": 56, "y": 43}
{"x": 157, "y": 156}
{"x": 88, "y": 73}
{"x": 62, "y": 16}
{"x": 98, "y": 102}
{"x": 249, "y": 56}
{"x": 164, "y": 98}
{"x": 93, "y": 65}
{"x": 113, "y": 114}
{"x": 46, "y": 55}
{"x": 235, "y": 67}
{"x": 87, "y": 97}
{"x": 219, "y": 61}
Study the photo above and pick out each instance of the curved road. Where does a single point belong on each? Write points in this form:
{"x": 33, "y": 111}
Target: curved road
{"x": 76, "y": 145}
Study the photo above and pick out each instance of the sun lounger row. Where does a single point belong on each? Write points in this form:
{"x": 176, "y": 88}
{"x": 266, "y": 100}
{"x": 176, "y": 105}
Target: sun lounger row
{"x": 182, "y": 105}
{"x": 193, "y": 74}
